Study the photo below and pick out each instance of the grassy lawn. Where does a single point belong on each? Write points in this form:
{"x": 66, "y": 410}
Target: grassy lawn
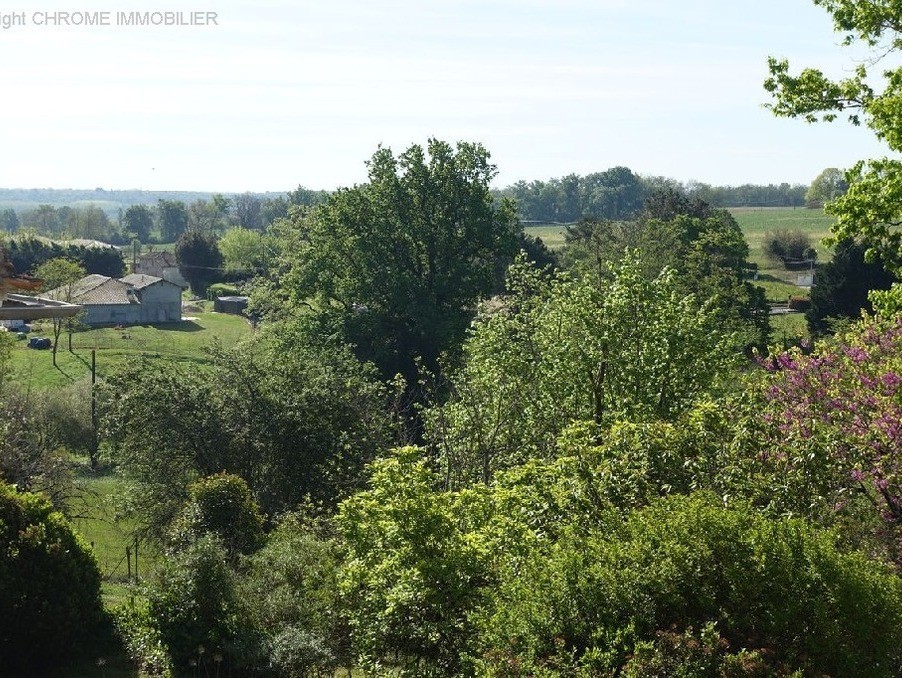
{"x": 552, "y": 236}
{"x": 95, "y": 514}
{"x": 181, "y": 342}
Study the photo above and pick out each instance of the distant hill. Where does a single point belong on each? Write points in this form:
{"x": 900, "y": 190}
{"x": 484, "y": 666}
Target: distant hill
{"x": 110, "y": 201}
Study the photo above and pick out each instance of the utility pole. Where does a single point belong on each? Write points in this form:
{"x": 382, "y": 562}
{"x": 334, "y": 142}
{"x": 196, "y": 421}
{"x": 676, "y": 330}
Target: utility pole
{"x": 94, "y": 442}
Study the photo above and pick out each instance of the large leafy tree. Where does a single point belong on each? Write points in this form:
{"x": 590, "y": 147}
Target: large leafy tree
{"x": 871, "y": 209}
{"x": 199, "y": 259}
{"x": 138, "y": 220}
{"x": 559, "y": 350}
{"x": 248, "y": 211}
{"x": 173, "y": 218}
{"x": 826, "y": 186}
{"x": 841, "y": 286}
{"x": 398, "y": 264}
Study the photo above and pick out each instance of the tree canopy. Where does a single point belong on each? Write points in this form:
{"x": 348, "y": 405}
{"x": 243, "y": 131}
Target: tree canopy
{"x": 871, "y": 209}
{"x": 199, "y": 259}
{"x": 397, "y": 265}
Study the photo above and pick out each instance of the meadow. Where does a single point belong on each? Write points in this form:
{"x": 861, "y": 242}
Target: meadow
{"x": 778, "y": 283}
{"x": 179, "y": 342}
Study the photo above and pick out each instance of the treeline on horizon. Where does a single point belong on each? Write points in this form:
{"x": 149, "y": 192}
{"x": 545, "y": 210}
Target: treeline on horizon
{"x": 617, "y": 192}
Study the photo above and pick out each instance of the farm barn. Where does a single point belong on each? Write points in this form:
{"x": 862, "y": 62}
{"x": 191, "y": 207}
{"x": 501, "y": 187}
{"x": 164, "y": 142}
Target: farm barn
{"x": 136, "y": 299}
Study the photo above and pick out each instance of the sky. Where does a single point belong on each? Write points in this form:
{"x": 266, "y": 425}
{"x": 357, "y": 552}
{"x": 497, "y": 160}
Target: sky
{"x": 271, "y": 94}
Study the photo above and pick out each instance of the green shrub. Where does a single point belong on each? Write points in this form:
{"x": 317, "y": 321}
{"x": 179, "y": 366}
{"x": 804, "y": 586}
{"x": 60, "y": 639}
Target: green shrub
{"x": 194, "y": 607}
{"x": 412, "y": 575}
{"x": 49, "y": 585}
{"x": 142, "y": 639}
{"x": 290, "y": 594}
{"x": 222, "y": 290}
{"x": 223, "y": 505}
{"x": 787, "y": 246}
{"x": 63, "y": 416}
{"x": 778, "y": 591}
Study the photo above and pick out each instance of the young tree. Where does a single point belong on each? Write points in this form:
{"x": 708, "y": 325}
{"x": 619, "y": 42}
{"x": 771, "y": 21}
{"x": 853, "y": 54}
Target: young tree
{"x": 558, "y": 350}
{"x": 60, "y": 276}
{"x": 242, "y": 250}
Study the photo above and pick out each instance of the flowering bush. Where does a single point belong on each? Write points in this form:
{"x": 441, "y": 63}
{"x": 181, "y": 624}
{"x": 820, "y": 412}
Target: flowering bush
{"x": 833, "y": 422}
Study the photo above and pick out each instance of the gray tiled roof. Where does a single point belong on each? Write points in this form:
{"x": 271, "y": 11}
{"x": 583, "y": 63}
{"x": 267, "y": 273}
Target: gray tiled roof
{"x": 160, "y": 256}
{"x": 97, "y": 289}
{"x": 141, "y": 280}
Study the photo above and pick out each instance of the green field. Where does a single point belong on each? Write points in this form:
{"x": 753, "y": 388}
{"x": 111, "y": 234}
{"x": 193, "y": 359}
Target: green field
{"x": 778, "y": 283}
{"x": 552, "y": 236}
{"x": 179, "y": 342}
{"x": 96, "y": 514}
{"x": 756, "y": 221}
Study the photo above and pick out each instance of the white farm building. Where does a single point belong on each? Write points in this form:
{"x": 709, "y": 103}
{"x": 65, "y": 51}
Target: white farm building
{"x": 136, "y": 299}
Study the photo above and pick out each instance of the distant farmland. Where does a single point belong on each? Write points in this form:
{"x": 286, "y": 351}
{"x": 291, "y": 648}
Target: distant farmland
{"x": 777, "y": 282}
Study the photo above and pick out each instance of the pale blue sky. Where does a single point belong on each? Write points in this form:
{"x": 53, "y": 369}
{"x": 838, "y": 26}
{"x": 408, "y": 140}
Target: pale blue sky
{"x": 285, "y": 93}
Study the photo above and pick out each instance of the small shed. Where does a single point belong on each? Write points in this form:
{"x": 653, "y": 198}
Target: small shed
{"x": 233, "y": 305}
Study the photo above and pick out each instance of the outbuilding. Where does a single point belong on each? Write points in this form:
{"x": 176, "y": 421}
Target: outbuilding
{"x": 136, "y": 299}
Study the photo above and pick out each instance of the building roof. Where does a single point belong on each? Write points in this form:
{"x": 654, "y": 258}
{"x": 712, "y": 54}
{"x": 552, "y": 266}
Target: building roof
{"x": 161, "y": 256}
{"x": 96, "y": 289}
{"x": 141, "y": 280}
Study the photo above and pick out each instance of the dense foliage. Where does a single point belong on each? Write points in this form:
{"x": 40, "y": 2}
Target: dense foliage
{"x": 292, "y": 419}
{"x": 618, "y": 193}
{"x": 199, "y": 259}
{"x": 830, "y": 430}
{"x": 49, "y": 585}
{"x": 396, "y": 266}
{"x": 776, "y": 595}
{"x": 704, "y": 246}
{"x": 539, "y": 574}
{"x": 28, "y": 253}
{"x": 559, "y": 350}
{"x": 842, "y": 285}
